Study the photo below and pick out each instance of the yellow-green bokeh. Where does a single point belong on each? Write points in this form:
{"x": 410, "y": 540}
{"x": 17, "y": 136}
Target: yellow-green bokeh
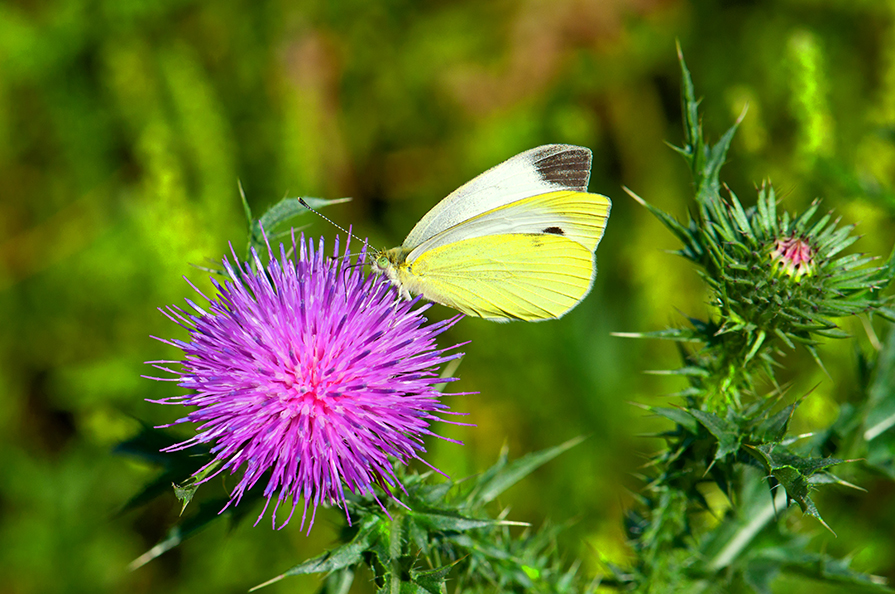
{"x": 125, "y": 125}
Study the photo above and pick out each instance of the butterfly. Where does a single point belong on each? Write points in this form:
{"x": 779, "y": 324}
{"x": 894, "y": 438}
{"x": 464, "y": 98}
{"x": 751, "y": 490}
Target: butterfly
{"x": 515, "y": 243}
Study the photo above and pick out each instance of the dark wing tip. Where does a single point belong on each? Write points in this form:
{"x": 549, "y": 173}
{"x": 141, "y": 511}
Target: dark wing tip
{"x": 564, "y": 164}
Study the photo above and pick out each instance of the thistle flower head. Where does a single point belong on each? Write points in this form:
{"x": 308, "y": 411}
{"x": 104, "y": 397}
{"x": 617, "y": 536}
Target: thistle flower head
{"x": 308, "y": 376}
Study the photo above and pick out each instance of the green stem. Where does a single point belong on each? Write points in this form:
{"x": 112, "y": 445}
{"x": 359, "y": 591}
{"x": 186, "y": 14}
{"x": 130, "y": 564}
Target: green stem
{"x": 744, "y": 535}
{"x": 395, "y": 539}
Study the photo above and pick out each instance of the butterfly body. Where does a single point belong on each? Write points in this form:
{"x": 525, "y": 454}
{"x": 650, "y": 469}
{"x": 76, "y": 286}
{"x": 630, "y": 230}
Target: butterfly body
{"x": 515, "y": 243}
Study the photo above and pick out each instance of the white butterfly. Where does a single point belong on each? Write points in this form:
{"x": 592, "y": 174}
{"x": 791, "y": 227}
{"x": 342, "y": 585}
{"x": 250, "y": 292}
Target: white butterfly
{"x": 515, "y": 243}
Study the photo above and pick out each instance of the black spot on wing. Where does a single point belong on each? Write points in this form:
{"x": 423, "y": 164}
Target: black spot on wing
{"x": 565, "y": 165}
{"x": 554, "y": 231}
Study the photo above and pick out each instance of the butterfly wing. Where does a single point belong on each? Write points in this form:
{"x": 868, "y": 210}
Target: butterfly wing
{"x": 504, "y": 277}
{"x": 578, "y": 216}
{"x": 541, "y": 170}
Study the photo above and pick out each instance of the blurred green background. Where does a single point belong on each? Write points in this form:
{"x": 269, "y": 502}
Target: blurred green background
{"x": 125, "y": 124}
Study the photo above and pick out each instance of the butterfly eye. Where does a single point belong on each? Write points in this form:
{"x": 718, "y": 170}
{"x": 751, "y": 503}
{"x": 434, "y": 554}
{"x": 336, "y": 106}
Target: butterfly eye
{"x": 382, "y": 262}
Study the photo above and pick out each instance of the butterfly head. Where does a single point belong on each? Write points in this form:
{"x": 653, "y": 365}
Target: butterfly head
{"x": 386, "y": 261}
{"x": 389, "y": 264}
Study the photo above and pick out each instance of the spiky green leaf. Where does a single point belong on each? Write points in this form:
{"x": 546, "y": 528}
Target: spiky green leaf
{"x": 492, "y": 484}
{"x": 340, "y": 557}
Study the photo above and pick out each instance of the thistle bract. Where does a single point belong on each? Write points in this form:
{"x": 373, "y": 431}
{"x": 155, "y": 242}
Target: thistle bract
{"x": 309, "y": 376}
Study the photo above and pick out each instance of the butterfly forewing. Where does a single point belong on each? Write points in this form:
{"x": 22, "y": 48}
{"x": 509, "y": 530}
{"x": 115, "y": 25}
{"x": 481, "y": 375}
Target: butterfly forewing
{"x": 578, "y": 216}
{"x": 541, "y": 170}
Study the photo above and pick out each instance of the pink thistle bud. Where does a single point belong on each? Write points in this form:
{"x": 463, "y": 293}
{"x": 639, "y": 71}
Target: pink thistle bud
{"x": 794, "y": 256}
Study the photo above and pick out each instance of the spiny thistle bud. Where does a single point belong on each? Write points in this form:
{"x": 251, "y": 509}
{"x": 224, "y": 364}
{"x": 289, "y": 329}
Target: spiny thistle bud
{"x": 772, "y": 275}
{"x": 808, "y": 282}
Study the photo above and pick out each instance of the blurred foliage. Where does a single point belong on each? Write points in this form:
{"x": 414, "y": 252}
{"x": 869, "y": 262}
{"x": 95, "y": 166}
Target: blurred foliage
{"x": 125, "y": 124}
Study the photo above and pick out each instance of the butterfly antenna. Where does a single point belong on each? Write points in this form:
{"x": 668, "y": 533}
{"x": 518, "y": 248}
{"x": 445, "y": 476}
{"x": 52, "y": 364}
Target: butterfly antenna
{"x": 337, "y": 226}
{"x": 329, "y": 220}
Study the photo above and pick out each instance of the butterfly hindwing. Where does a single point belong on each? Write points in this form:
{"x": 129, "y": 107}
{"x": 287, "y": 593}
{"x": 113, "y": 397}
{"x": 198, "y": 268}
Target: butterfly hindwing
{"x": 504, "y": 277}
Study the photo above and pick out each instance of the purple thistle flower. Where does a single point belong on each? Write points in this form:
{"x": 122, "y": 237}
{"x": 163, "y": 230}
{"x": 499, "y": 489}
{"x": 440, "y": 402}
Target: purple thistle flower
{"x": 310, "y": 371}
